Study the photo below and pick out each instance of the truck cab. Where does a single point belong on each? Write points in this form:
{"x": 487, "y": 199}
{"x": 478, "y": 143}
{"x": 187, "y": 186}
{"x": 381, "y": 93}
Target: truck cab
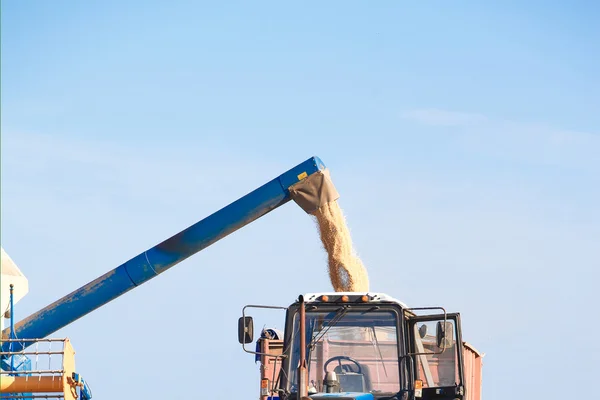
{"x": 366, "y": 346}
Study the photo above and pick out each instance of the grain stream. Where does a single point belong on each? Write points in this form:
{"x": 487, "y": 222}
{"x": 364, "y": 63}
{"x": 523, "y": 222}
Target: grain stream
{"x": 346, "y": 270}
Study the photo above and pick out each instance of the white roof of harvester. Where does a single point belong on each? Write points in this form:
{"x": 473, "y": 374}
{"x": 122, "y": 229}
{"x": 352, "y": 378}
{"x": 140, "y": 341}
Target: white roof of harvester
{"x": 375, "y": 297}
{"x": 10, "y": 274}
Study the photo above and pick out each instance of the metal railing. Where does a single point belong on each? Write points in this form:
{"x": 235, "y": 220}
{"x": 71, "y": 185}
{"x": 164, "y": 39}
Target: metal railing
{"x": 45, "y": 371}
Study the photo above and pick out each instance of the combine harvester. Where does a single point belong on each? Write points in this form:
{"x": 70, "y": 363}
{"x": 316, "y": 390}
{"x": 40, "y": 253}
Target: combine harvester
{"x": 379, "y": 348}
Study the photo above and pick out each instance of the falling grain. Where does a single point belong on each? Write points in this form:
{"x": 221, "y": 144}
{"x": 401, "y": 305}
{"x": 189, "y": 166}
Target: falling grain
{"x": 346, "y": 270}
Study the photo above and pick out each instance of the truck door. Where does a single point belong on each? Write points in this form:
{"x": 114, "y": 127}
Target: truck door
{"x": 436, "y": 352}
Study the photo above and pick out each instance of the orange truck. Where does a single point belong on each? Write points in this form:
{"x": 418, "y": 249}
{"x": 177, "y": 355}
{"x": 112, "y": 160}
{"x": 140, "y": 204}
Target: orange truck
{"x": 366, "y": 346}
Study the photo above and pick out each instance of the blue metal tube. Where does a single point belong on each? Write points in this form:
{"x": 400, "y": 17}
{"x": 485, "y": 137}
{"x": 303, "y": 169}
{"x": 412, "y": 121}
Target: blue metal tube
{"x": 163, "y": 256}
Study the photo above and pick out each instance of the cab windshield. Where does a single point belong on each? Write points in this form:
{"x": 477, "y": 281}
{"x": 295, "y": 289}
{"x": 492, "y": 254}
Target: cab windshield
{"x": 360, "y": 346}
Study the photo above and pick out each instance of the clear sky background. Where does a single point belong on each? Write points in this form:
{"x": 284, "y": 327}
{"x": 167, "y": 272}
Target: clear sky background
{"x": 463, "y": 136}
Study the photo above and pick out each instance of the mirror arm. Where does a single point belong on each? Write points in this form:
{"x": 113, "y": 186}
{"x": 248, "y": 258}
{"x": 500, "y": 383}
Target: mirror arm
{"x": 244, "y": 317}
{"x": 445, "y": 319}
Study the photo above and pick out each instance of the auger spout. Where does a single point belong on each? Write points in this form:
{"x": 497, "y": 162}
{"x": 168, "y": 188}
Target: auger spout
{"x": 307, "y": 183}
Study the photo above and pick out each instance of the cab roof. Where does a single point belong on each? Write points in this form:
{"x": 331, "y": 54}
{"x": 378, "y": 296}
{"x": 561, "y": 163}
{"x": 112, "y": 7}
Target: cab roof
{"x": 374, "y": 297}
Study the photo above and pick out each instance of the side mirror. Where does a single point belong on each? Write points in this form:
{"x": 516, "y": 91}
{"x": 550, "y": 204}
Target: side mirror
{"x": 422, "y": 331}
{"x": 245, "y": 330}
{"x": 444, "y": 334}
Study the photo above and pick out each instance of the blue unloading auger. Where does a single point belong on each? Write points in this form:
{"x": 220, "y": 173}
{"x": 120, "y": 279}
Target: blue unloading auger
{"x": 308, "y": 184}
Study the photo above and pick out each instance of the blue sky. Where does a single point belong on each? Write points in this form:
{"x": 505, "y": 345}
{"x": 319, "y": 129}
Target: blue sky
{"x": 464, "y": 139}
